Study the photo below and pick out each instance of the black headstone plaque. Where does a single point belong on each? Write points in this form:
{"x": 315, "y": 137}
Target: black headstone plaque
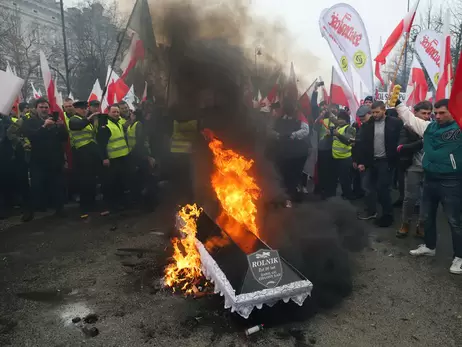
{"x": 266, "y": 267}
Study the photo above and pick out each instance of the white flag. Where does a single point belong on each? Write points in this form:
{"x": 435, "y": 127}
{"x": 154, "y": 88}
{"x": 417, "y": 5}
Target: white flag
{"x": 428, "y": 47}
{"x": 10, "y": 87}
{"x": 339, "y": 55}
{"x": 345, "y": 25}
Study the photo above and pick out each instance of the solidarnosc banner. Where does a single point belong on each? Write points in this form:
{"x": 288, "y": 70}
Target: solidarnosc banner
{"x": 428, "y": 47}
{"x": 339, "y": 55}
{"x": 346, "y": 27}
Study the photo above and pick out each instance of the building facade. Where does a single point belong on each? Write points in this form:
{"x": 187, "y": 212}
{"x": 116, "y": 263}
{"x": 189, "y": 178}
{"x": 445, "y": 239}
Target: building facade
{"x": 34, "y": 25}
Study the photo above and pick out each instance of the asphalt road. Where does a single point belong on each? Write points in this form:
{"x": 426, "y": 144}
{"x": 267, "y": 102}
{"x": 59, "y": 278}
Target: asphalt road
{"x": 53, "y": 270}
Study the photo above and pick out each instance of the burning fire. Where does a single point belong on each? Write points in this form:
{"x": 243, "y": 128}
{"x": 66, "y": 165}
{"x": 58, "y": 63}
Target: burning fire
{"x": 187, "y": 261}
{"x": 236, "y": 189}
{"x": 237, "y": 192}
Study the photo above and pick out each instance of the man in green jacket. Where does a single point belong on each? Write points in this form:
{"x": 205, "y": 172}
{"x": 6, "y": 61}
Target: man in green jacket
{"x": 442, "y": 164}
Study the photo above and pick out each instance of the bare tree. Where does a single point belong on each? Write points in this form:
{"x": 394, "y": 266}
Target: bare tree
{"x": 93, "y": 32}
{"x": 20, "y": 46}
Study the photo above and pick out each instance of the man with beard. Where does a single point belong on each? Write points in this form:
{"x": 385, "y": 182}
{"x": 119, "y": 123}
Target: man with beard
{"x": 377, "y": 157}
{"x": 47, "y": 135}
{"x": 442, "y": 143}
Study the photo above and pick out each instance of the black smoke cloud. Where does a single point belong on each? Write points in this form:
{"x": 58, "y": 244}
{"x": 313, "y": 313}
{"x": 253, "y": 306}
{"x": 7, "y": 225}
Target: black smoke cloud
{"x": 208, "y": 58}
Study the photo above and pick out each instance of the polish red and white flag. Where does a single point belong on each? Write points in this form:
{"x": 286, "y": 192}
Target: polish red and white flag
{"x": 417, "y": 87}
{"x": 404, "y": 27}
{"x": 144, "y": 97}
{"x": 341, "y": 94}
{"x": 96, "y": 92}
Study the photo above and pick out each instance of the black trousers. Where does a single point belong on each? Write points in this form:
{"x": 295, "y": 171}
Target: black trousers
{"x": 6, "y": 191}
{"x": 377, "y": 183}
{"x": 115, "y": 182}
{"x": 342, "y": 171}
{"x": 290, "y": 170}
{"x": 326, "y": 173}
{"x": 180, "y": 173}
{"x": 358, "y": 190}
{"x": 47, "y": 185}
{"x": 143, "y": 182}
{"x": 87, "y": 165}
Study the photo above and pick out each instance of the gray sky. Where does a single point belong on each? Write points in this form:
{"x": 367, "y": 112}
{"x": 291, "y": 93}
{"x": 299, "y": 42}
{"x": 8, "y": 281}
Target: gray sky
{"x": 301, "y": 18}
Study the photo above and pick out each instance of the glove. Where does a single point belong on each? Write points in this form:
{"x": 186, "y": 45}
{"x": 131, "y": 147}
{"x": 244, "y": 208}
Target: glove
{"x": 399, "y": 148}
{"x": 394, "y": 97}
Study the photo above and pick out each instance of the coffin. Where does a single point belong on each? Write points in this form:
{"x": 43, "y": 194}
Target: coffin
{"x": 246, "y": 271}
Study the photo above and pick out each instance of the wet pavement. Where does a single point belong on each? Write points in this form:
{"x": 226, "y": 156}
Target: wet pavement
{"x": 54, "y": 271}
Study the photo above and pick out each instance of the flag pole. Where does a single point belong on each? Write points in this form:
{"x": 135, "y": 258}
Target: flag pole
{"x": 331, "y": 79}
{"x": 118, "y": 50}
{"x": 399, "y": 63}
{"x": 66, "y": 63}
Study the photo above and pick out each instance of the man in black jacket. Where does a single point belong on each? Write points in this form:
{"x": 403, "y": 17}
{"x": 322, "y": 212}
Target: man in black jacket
{"x": 377, "y": 156}
{"x": 47, "y": 136}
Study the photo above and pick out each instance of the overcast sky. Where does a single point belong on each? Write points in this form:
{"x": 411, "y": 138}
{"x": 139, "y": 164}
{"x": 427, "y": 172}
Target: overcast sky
{"x": 301, "y": 18}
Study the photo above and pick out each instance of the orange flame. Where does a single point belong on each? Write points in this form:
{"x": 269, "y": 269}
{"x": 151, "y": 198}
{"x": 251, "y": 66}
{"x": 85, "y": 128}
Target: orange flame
{"x": 187, "y": 262}
{"x": 236, "y": 189}
{"x": 237, "y": 192}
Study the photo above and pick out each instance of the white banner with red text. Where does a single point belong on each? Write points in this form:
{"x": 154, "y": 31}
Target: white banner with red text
{"x": 339, "y": 55}
{"x": 346, "y": 27}
{"x": 428, "y": 48}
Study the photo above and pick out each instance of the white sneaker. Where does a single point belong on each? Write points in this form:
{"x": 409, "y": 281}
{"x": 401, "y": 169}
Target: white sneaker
{"x": 456, "y": 267}
{"x": 288, "y": 204}
{"x": 422, "y": 250}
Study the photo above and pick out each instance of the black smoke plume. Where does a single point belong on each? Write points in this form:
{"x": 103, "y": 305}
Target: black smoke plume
{"x": 208, "y": 59}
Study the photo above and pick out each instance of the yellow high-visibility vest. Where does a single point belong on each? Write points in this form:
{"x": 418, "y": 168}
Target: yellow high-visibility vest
{"x": 183, "y": 136}
{"x": 14, "y": 119}
{"x": 71, "y": 135}
{"x": 339, "y": 149}
{"x": 131, "y": 135}
{"x": 323, "y": 131}
{"x": 82, "y": 137}
{"x": 117, "y": 146}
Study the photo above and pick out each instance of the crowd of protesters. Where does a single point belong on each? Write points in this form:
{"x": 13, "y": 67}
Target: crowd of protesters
{"x": 109, "y": 155}
{"x": 419, "y": 152}
{"x": 116, "y": 155}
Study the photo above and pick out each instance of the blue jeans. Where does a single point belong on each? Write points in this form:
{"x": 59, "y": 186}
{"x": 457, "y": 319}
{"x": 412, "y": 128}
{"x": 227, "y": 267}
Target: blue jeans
{"x": 449, "y": 193}
{"x": 377, "y": 184}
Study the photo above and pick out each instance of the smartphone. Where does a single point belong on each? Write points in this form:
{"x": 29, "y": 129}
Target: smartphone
{"x": 102, "y": 119}
{"x": 55, "y": 116}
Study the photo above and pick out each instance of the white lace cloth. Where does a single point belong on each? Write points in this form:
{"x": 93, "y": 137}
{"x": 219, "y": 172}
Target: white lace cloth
{"x": 244, "y": 304}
